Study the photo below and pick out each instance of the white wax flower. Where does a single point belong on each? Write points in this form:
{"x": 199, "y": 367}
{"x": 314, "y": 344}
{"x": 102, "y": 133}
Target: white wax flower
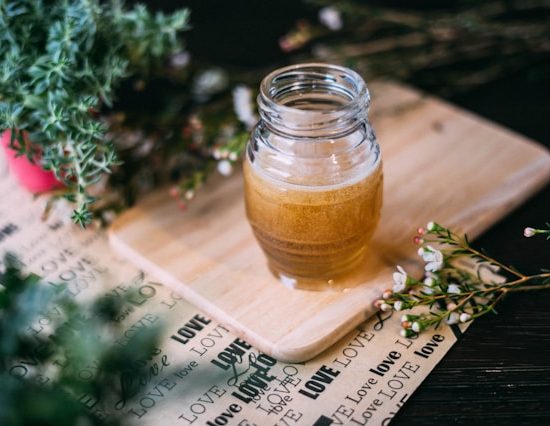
{"x": 399, "y": 280}
{"x": 244, "y": 106}
{"x": 225, "y": 168}
{"x": 331, "y": 18}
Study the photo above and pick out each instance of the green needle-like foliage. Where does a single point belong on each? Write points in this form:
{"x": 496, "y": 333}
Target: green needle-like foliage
{"x": 67, "y": 371}
{"x": 60, "y": 61}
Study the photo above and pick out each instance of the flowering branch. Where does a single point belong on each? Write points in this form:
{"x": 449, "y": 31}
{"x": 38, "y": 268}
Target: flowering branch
{"x": 453, "y": 295}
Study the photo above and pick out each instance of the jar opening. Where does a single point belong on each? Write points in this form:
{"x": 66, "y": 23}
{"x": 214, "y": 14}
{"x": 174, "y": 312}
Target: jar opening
{"x": 313, "y": 96}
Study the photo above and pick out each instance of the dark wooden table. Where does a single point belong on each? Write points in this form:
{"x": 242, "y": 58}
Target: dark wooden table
{"x": 499, "y": 372}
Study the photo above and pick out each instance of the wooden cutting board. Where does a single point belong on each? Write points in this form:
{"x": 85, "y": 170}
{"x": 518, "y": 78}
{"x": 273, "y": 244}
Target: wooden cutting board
{"x": 441, "y": 163}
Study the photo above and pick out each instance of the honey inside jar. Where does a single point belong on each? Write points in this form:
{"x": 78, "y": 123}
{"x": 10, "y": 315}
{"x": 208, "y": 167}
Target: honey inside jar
{"x": 313, "y": 180}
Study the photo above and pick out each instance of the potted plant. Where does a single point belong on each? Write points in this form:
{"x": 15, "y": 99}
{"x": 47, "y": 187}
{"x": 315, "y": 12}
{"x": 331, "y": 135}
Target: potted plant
{"x": 60, "y": 63}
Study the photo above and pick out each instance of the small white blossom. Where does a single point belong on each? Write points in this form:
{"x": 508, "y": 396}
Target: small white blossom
{"x": 233, "y": 156}
{"x": 331, "y": 18}
{"x": 405, "y": 318}
{"x": 398, "y": 306}
{"x": 433, "y": 259}
{"x": 429, "y": 281}
{"x": 416, "y": 327}
{"x": 464, "y": 317}
{"x": 399, "y": 280}
{"x": 427, "y": 290}
{"x": 208, "y": 83}
{"x": 180, "y": 60}
{"x": 225, "y": 168}
{"x": 108, "y": 216}
{"x": 243, "y": 106}
{"x": 529, "y": 232}
{"x": 404, "y": 333}
{"x": 430, "y": 226}
{"x": 453, "y": 318}
{"x": 189, "y": 194}
{"x": 453, "y": 289}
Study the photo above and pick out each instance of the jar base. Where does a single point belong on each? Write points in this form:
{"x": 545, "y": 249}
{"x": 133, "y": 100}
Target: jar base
{"x": 340, "y": 281}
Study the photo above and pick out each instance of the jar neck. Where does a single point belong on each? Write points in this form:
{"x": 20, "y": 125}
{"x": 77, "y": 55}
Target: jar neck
{"x": 313, "y": 101}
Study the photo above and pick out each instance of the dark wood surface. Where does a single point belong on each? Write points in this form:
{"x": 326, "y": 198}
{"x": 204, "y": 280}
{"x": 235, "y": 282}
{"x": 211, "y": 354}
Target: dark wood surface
{"x": 499, "y": 372}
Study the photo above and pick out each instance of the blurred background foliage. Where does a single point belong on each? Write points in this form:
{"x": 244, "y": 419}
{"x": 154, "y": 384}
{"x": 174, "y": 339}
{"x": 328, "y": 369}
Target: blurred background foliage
{"x": 490, "y": 57}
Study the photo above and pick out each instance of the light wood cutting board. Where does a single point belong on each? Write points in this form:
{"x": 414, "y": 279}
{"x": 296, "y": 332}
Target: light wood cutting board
{"x": 440, "y": 163}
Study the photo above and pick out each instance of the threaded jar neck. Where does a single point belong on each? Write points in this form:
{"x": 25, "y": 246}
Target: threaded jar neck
{"x": 313, "y": 100}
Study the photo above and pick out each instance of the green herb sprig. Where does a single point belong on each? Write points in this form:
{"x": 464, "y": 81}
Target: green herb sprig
{"x": 60, "y": 62}
{"x": 71, "y": 371}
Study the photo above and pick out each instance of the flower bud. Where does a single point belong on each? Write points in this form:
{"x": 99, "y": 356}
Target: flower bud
{"x": 529, "y": 232}
{"x": 385, "y": 307}
{"x": 416, "y": 327}
{"x": 387, "y": 294}
{"x": 417, "y": 240}
{"x": 398, "y": 306}
{"x": 174, "y": 192}
{"x": 429, "y": 281}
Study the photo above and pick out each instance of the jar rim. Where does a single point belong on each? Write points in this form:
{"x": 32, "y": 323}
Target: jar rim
{"x": 361, "y": 92}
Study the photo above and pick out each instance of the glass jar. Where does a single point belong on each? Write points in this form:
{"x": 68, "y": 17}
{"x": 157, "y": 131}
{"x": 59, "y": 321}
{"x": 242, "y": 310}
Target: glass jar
{"x": 313, "y": 174}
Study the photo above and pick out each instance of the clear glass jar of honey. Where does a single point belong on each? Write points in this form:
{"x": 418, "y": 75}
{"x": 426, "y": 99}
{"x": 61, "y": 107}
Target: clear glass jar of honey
{"x": 313, "y": 174}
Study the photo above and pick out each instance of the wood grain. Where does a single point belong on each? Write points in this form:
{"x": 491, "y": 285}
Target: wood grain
{"x": 440, "y": 163}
